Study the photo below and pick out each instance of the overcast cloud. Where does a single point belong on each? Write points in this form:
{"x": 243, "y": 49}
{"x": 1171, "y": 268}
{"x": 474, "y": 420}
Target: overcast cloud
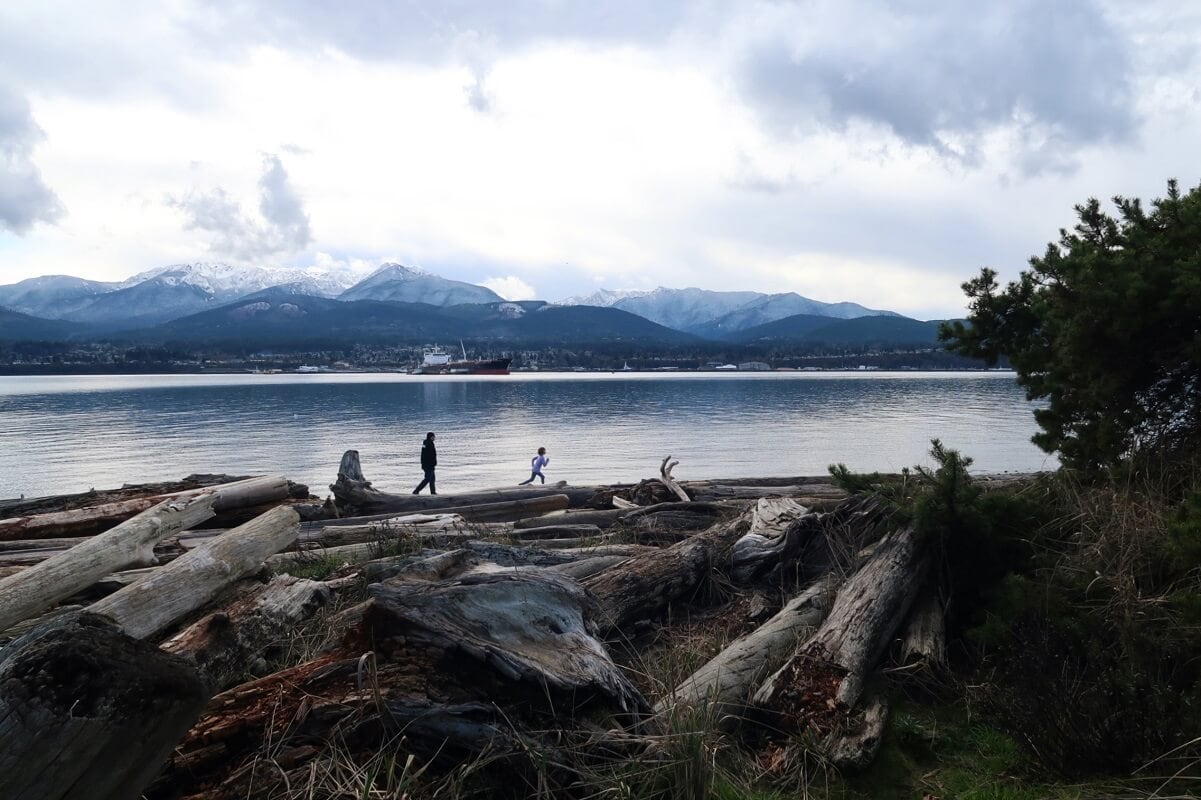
{"x": 282, "y": 229}
{"x": 24, "y": 197}
{"x": 872, "y": 151}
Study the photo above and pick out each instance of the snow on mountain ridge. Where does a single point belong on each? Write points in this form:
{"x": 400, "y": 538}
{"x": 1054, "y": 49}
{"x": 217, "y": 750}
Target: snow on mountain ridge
{"x": 227, "y": 281}
{"x": 603, "y": 298}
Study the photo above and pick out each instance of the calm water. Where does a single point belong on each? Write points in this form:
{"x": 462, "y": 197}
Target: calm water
{"x": 66, "y": 434}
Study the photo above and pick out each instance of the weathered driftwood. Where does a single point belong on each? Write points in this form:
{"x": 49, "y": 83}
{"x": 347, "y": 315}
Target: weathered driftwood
{"x": 815, "y": 491}
{"x": 352, "y": 490}
{"x": 186, "y": 584}
{"x": 856, "y": 739}
{"x": 780, "y": 531}
{"x": 602, "y": 518}
{"x": 869, "y": 609}
{"x": 644, "y": 586}
{"x": 924, "y": 639}
{"x": 587, "y": 567}
{"x": 28, "y": 506}
{"x": 227, "y": 644}
{"x": 129, "y": 544}
{"x": 729, "y": 678}
{"x": 88, "y": 713}
{"x": 482, "y": 662}
{"x": 248, "y": 492}
{"x": 556, "y": 532}
{"x": 665, "y": 476}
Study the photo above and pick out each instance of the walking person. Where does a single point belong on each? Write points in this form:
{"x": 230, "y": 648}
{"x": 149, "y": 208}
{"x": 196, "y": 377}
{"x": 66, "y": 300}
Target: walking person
{"x": 429, "y": 460}
{"x": 536, "y": 464}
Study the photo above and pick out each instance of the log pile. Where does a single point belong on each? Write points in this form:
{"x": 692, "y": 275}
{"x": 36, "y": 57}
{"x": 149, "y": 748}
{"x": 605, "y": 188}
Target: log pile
{"x": 497, "y": 623}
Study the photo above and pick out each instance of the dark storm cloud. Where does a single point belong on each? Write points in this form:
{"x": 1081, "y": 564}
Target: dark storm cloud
{"x": 283, "y": 227}
{"x": 25, "y": 199}
{"x": 941, "y": 74}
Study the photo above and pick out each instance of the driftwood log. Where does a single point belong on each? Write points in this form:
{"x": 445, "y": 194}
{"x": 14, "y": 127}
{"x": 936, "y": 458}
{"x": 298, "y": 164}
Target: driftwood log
{"x": 353, "y": 491}
{"x": 77, "y": 522}
{"x": 187, "y": 583}
{"x": 129, "y": 544}
{"x": 88, "y": 713}
{"x": 729, "y": 678}
{"x": 869, "y": 609}
{"x": 485, "y": 662}
{"x": 644, "y": 586}
{"x": 227, "y": 644}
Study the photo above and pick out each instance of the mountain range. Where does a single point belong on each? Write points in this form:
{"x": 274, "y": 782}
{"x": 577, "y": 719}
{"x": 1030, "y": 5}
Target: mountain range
{"x": 207, "y": 302}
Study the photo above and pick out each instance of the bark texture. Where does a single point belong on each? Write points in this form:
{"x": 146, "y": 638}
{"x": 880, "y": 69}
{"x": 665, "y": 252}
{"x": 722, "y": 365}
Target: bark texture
{"x": 88, "y": 713}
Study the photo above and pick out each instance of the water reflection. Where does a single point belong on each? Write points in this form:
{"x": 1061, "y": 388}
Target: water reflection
{"x": 66, "y": 434}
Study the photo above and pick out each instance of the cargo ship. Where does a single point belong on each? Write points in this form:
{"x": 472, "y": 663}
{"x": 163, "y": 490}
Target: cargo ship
{"x": 436, "y": 361}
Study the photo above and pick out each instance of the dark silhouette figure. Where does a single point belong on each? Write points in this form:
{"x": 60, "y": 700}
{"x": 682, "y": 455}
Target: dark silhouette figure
{"x": 429, "y": 460}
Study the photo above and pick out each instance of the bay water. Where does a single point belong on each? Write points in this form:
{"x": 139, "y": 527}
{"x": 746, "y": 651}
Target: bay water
{"x": 70, "y": 433}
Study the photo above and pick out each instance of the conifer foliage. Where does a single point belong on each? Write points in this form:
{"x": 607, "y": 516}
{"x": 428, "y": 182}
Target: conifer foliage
{"x": 1106, "y": 328}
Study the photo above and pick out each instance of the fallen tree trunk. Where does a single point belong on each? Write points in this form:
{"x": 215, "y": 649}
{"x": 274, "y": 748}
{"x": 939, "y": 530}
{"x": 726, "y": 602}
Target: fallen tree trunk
{"x": 88, "y": 713}
{"x": 601, "y": 518}
{"x": 730, "y": 677}
{"x": 869, "y": 609}
{"x": 228, "y": 644}
{"x": 814, "y": 491}
{"x": 646, "y": 585}
{"x": 29, "y": 506}
{"x": 129, "y": 544}
{"x": 352, "y": 490}
{"x": 485, "y": 662}
{"x": 187, "y": 583}
{"x": 780, "y": 532}
{"x": 248, "y": 492}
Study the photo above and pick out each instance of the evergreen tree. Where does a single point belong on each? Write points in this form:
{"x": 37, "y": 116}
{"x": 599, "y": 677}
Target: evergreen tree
{"x": 1106, "y": 328}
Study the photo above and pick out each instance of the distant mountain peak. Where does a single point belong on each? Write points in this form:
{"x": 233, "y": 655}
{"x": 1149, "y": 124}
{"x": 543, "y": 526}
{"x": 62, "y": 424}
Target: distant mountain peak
{"x": 602, "y": 298}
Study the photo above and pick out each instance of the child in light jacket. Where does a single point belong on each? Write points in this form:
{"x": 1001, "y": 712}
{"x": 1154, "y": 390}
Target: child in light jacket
{"x": 536, "y": 464}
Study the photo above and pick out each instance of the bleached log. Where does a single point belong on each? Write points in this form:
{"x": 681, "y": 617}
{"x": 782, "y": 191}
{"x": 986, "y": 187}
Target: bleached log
{"x": 729, "y": 678}
{"x": 89, "y": 713}
{"x": 646, "y": 585}
{"x": 602, "y": 518}
{"x": 816, "y": 491}
{"x": 129, "y": 544}
{"x": 665, "y": 475}
{"x": 622, "y": 503}
{"x": 556, "y": 532}
{"x": 869, "y": 609}
{"x": 779, "y": 534}
{"x": 227, "y": 644}
{"x": 248, "y": 492}
{"x": 154, "y": 603}
{"x": 587, "y": 567}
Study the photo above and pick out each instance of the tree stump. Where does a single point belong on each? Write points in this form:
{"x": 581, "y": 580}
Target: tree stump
{"x": 88, "y": 713}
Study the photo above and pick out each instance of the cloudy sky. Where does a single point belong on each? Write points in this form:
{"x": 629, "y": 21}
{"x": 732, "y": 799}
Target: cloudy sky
{"x": 879, "y": 152}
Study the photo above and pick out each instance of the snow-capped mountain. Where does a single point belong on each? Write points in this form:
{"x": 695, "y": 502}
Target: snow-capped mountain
{"x": 684, "y": 309}
{"x": 228, "y": 282}
{"x": 603, "y": 298}
{"x": 397, "y": 283}
{"x": 716, "y": 314}
{"x": 772, "y": 307}
{"x": 51, "y": 296}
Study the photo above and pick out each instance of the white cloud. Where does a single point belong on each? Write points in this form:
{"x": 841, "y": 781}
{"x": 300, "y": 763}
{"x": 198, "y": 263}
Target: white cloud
{"x": 511, "y": 287}
{"x": 653, "y": 144}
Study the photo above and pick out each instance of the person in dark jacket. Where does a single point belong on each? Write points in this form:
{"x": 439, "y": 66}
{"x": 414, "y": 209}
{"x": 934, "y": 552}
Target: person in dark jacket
{"x": 429, "y": 460}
